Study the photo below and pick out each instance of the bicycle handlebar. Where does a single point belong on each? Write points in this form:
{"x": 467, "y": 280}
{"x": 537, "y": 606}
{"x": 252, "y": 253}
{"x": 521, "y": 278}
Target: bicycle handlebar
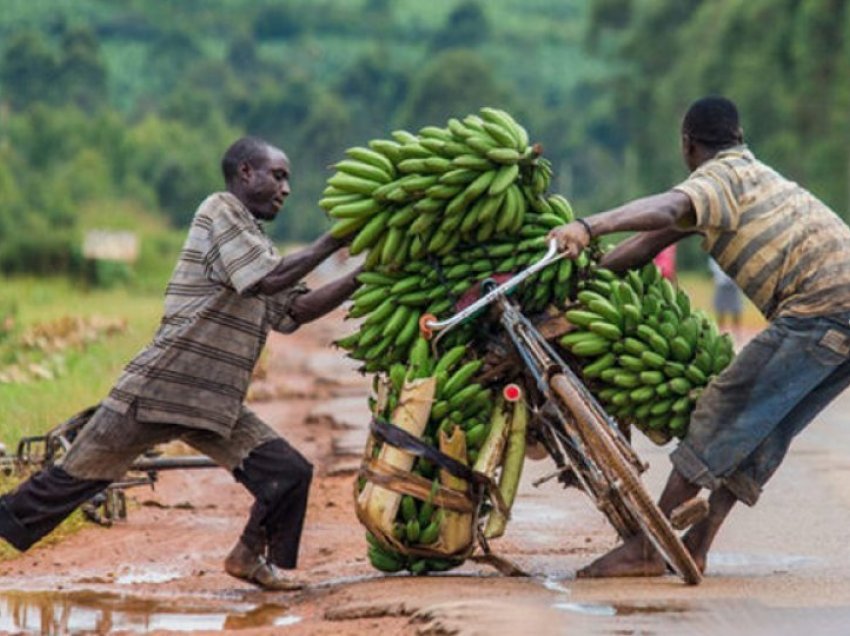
{"x": 428, "y": 324}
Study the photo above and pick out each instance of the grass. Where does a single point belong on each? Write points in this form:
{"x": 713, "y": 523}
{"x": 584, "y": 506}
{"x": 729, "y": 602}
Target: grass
{"x": 33, "y": 408}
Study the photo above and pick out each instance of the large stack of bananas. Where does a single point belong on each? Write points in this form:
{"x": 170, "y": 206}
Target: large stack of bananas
{"x": 423, "y": 194}
{"x": 435, "y": 213}
{"x": 645, "y": 354}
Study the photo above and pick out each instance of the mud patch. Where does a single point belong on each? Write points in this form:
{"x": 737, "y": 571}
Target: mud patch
{"x": 357, "y": 611}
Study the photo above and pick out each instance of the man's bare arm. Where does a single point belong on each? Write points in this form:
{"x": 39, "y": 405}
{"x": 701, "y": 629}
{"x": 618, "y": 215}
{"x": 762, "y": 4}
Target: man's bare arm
{"x": 656, "y": 212}
{"x": 294, "y": 267}
{"x": 315, "y": 304}
{"x": 640, "y": 249}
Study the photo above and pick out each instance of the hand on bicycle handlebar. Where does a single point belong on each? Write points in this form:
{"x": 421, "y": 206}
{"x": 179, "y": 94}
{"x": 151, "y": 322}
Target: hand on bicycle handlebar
{"x": 571, "y": 238}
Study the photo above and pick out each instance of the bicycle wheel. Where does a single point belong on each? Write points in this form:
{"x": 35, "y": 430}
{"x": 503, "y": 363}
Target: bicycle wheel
{"x": 625, "y": 481}
{"x": 596, "y": 485}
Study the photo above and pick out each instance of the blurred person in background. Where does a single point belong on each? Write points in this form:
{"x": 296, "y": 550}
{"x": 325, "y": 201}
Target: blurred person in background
{"x": 230, "y": 287}
{"x": 666, "y": 262}
{"x": 727, "y": 301}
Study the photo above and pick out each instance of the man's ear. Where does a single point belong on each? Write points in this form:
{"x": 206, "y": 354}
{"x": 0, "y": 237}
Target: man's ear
{"x": 245, "y": 171}
{"x": 739, "y": 135}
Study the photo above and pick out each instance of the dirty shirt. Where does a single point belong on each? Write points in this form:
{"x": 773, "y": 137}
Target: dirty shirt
{"x": 785, "y": 249}
{"x": 197, "y": 369}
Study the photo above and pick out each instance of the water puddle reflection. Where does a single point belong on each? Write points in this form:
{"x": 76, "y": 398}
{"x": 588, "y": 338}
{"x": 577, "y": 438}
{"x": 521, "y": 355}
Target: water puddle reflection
{"x": 133, "y": 576}
{"x": 588, "y": 609}
{"x": 54, "y": 613}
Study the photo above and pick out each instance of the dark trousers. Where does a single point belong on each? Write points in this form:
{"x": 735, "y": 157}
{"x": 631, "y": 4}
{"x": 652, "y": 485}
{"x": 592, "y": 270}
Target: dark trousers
{"x": 275, "y": 473}
{"x": 279, "y": 478}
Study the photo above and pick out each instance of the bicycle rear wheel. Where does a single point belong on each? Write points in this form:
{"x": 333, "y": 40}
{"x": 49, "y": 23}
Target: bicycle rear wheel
{"x": 624, "y": 480}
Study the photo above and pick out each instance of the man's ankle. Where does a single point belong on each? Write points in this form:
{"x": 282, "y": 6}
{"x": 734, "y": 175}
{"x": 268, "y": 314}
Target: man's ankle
{"x": 241, "y": 557}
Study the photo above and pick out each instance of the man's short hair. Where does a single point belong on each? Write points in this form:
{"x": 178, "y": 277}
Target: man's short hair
{"x": 713, "y": 122}
{"x": 252, "y": 150}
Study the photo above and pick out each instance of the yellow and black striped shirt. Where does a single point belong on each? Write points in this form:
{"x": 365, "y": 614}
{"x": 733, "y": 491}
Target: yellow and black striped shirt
{"x": 197, "y": 369}
{"x": 785, "y": 249}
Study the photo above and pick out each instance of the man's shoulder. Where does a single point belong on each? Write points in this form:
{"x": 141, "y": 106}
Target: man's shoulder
{"x": 224, "y": 210}
{"x": 729, "y": 161}
{"x": 218, "y": 202}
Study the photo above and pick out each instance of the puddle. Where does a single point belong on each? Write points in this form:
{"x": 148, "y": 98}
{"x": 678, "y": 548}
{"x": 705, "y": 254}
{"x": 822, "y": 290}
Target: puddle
{"x": 728, "y": 617}
{"x": 134, "y": 576}
{"x": 54, "y": 614}
{"x": 587, "y": 609}
{"x": 534, "y": 512}
{"x": 555, "y": 585}
{"x": 728, "y": 562}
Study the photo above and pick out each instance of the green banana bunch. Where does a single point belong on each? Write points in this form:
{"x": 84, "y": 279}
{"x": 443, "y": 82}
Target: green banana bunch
{"x": 424, "y": 194}
{"x": 392, "y": 301}
{"x": 644, "y": 352}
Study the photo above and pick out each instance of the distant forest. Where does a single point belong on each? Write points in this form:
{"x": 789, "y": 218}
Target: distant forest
{"x": 115, "y": 114}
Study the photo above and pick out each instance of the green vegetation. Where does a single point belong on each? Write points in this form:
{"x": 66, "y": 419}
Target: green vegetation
{"x": 128, "y": 106}
{"x": 33, "y": 407}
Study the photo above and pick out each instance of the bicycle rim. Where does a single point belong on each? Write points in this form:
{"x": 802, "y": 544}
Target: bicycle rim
{"x": 607, "y": 500}
{"x": 608, "y": 457}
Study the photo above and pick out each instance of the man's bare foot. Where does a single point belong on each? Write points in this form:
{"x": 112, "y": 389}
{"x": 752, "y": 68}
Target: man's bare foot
{"x": 636, "y": 557}
{"x": 246, "y": 565}
{"x": 699, "y": 556}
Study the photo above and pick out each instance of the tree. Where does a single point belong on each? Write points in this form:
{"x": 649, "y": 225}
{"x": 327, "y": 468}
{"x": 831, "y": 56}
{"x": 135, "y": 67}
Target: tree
{"x": 276, "y": 22}
{"x": 466, "y": 27}
{"x": 170, "y": 56}
{"x": 82, "y": 72}
{"x": 28, "y": 71}
{"x": 454, "y": 82}
{"x": 372, "y": 87}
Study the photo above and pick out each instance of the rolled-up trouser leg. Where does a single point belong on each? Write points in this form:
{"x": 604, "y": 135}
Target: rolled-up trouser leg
{"x": 41, "y": 503}
{"x": 743, "y": 424}
{"x": 279, "y": 478}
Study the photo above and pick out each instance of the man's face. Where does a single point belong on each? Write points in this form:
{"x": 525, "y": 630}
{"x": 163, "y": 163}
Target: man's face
{"x": 267, "y": 185}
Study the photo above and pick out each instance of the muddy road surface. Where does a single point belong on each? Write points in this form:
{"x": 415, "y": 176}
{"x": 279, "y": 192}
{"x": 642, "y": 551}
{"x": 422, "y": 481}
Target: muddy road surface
{"x": 780, "y": 568}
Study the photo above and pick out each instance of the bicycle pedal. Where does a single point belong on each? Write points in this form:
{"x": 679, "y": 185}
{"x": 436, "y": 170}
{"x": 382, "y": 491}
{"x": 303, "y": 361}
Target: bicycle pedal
{"x": 692, "y": 511}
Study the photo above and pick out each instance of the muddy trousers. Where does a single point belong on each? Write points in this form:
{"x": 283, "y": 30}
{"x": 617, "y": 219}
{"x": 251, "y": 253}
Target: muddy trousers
{"x": 279, "y": 478}
{"x": 276, "y": 474}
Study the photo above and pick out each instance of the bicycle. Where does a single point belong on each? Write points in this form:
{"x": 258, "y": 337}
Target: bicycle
{"x": 587, "y": 446}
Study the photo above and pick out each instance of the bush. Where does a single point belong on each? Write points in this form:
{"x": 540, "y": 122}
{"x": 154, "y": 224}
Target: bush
{"x": 41, "y": 254}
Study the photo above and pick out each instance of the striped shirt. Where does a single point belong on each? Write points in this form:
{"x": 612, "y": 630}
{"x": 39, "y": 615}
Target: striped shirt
{"x": 198, "y": 367}
{"x": 785, "y": 249}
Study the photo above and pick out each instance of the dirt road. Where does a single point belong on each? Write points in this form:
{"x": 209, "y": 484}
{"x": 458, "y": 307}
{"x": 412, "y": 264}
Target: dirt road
{"x": 781, "y": 568}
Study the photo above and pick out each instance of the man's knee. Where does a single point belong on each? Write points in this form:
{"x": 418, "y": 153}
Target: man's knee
{"x": 274, "y": 469}
{"x": 286, "y": 459}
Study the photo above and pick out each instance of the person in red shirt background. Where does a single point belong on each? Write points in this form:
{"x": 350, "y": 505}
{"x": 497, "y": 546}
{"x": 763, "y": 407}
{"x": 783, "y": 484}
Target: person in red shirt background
{"x": 666, "y": 262}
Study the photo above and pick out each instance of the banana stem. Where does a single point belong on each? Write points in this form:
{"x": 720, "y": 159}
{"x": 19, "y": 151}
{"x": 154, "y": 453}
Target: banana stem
{"x": 511, "y": 470}
{"x": 411, "y": 414}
